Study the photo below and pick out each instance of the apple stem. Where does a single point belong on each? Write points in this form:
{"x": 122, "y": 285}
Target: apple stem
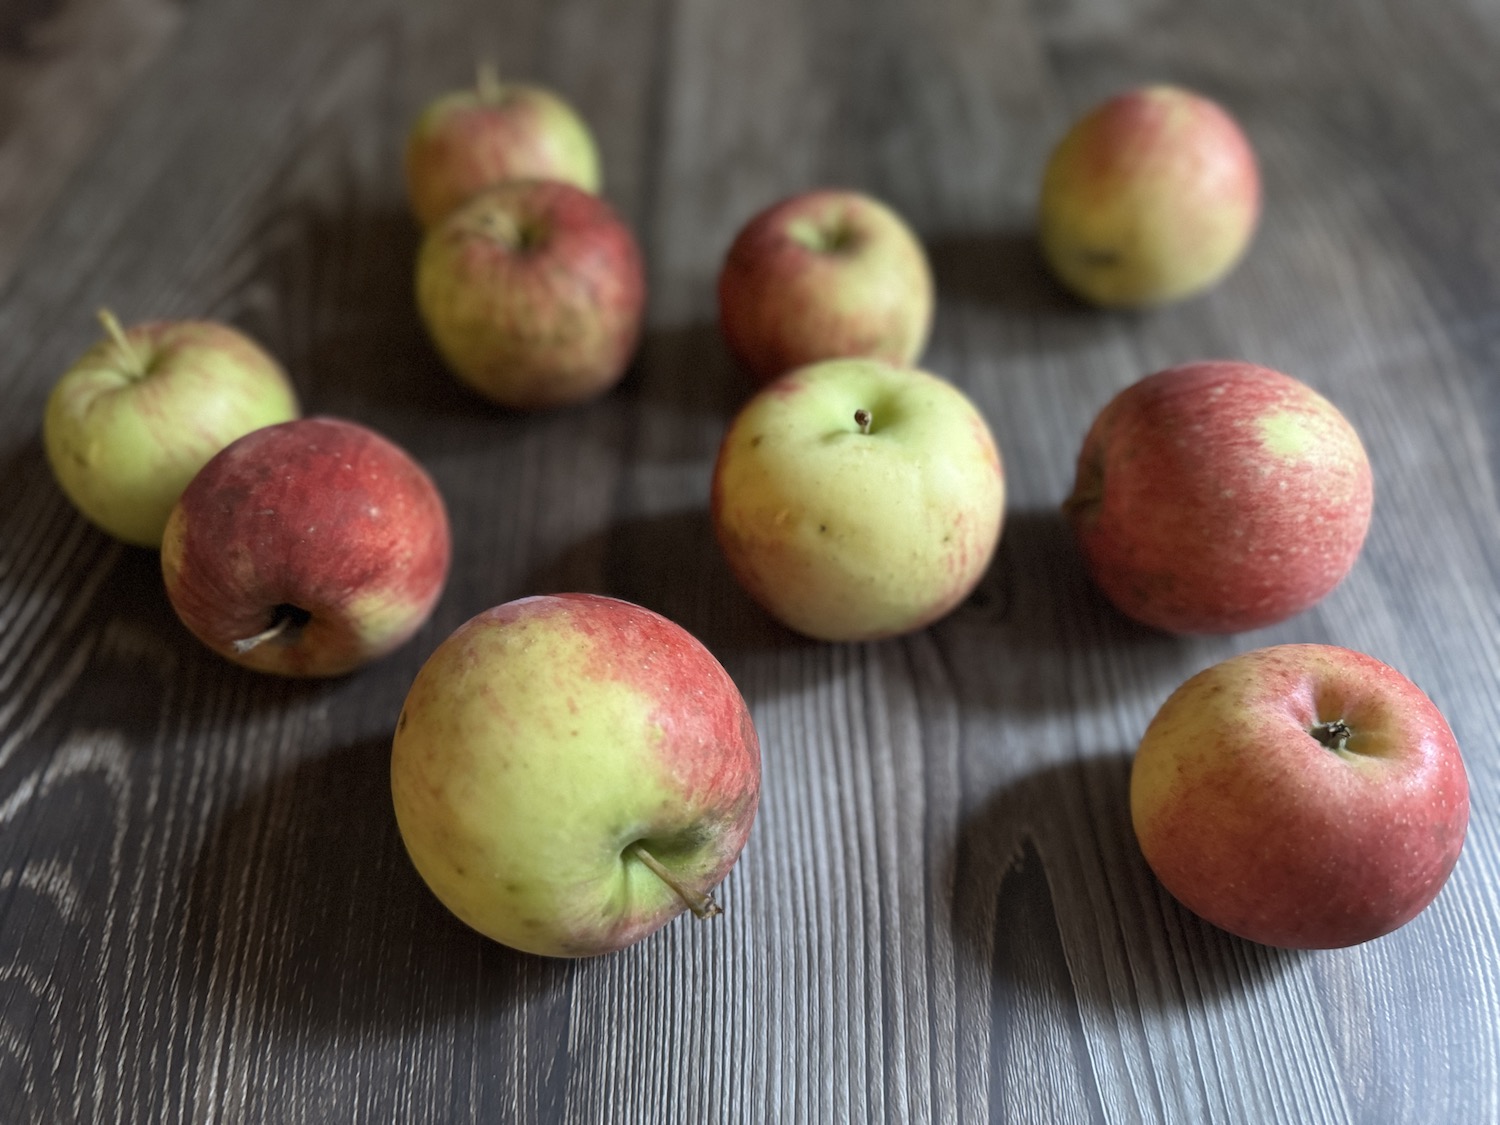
{"x": 245, "y": 644}
{"x": 702, "y": 906}
{"x": 863, "y": 419}
{"x": 122, "y": 341}
{"x": 487, "y": 80}
{"x": 1333, "y": 734}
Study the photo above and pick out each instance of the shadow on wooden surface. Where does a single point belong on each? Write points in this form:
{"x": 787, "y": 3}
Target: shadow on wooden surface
{"x": 1003, "y": 269}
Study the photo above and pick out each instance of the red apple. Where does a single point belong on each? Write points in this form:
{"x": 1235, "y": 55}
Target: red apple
{"x": 1303, "y": 796}
{"x": 469, "y": 140}
{"x": 533, "y": 293}
{"x": 1150, "y": 197}
{"x": 572, "y": 772}
{"x": 307, "y": 548}
{"x": 1217, "y": 497}
{"x": 823, "y": 275}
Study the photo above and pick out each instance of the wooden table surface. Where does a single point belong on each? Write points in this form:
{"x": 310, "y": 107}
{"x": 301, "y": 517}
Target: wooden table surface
{"x": 206, "y": 913}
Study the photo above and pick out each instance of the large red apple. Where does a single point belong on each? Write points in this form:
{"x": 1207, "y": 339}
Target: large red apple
{"x": 533, "y": 293}
{"x": 1304, "y": 796}
{"x": 469, "y": 140}
{"x": 1218, "y": 497}
{"x": 571, "y": 772}
{"x": 824, "y": 275}
{"x": 1150, "y": 197}
{"x": 307, "y": 548}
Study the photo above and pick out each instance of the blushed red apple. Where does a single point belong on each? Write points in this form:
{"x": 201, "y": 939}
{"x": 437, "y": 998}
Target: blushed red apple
{"x": 571, "y": 772}
{"x": 1218, "y": 497}
{"x": 1150, "y": 197}
{"x": 1305, "y": 796}
{"x": 533, "y": 293}
{"x": 822, "y": 275}
{"x": 307, "y": 548}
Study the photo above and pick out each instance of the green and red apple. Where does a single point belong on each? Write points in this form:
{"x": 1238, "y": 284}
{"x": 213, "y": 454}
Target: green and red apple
{"x": 138, "y": 414}
{"x": 307, "y": 548}
{"x": 571, "y": 772}
{"x": 822, "y": 275}
{"x": 1304, "y": 796}
{"x": 468, "y": 140}
{"x": 1218, "y": 497}
{"x": 855, "y": 500}
{"x": 533, "y": 293}
{"x": 1149, "y": 198}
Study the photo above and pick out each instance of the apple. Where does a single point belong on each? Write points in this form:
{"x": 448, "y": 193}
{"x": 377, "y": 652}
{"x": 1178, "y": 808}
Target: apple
{"x": 1303, "y": 796}
{"x": 469, "y": 140}
{"x": 533, "y": 293}
{"x": 1217, "y": 497}
{"x": 1151, "y": 197}
{"x": 137, "y": 415}
{"x": 855, "y": 500}
{"x": 571, "y": 772}
{"x": 307, "y": 548}
{"x": 823, "y": 275}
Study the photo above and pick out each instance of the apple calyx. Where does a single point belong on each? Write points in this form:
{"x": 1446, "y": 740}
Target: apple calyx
{"x": 135, "y": 363}
{"x": 702, "y": 905}
{"x": 1334, "y": 734}
{"x": 863, "y": 419}
{"x": 285, "y": 619}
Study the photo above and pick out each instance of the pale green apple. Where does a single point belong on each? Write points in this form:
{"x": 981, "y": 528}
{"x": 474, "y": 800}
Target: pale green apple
{"x": 570, "y": 772}
{"x": 854, "y": 499}
{"x": 134, "y": 419}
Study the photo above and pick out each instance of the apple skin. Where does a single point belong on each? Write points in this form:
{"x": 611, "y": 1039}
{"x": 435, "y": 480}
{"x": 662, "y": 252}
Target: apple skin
{"x": 1151, "y": 197}
{"x": 533, "y": 293}
{"x": 1259, "y": 826}
{"x": 844, "y": 535}
{"x": 547, "y": 736}
{"x": 129, "y": 423}
{"x": 1218, "y": 497}
{"x": 321, "y": 522}
{"x": 822, "y": 275}
{"x": 468, "y": 140}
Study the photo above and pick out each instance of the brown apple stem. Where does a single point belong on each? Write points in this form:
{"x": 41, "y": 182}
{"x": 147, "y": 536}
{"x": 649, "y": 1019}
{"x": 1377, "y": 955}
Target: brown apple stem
{"x": 1334, "y": 734}
{"x": 122, "y": 342}
{"x": 863, "y": 419}
{"x": 702, "y": 906}
{"x": 278, "y": 627}
{"x": 487, "y": 81}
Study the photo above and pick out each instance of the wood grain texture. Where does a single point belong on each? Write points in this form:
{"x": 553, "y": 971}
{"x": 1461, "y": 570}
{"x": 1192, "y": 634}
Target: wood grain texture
{"x": 205, "y": 911}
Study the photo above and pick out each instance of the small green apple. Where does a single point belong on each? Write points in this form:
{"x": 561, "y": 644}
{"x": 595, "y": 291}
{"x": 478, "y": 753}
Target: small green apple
{"x": 571, "y": 772}
{"x": 854, "y": 499}
{"x": 134, "y": 419}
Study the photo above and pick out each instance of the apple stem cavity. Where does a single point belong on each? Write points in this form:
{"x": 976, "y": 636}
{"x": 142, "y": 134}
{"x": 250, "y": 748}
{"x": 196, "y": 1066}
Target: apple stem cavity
{"x": 1334, "y": 734}
{"x": 132, "y": 358}
{"x": 702, "y": 905}
{"x": 863, "y": 419}
{"x": 283, "y": 618}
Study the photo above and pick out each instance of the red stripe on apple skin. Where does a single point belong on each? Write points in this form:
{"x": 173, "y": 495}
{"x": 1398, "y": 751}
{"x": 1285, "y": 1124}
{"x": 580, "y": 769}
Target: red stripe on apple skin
{"x": 317, "y": 513}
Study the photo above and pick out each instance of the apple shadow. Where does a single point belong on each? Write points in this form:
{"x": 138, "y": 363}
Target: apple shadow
{"x": 1004, "y": 269}
{"x": 303, "y": 911}
{"x": 1054, "y": 902}
{"x": 687, "y": 369}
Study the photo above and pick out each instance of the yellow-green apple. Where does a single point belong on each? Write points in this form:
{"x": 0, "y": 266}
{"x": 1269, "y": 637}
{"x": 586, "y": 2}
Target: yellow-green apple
{"x": 307, "y": 548}
{"x": 533, "y": 293}
{"x": 1304, "y": 796}
{"x": 139, "y": 413}
{"x": 855, "y": 500}
{"x": 1217, "y": 497}
{"x": 571, "y": 772}
{"x": 1150, "y": 197}
{"x": 469, "y": 140}
{"x": 822, "y": 275}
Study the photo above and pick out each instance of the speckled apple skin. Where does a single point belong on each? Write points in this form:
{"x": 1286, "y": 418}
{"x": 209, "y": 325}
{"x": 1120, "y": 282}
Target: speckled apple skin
{"x": 1151, "y": 197}
{"x": 546, "y": 736}
{"x": 821, "y": 275}
{"x": 1218, "y": 497}
{"x": 123, "y": 445}
{"x": 319, "y": 513}
{"x": 470, "y": 140}
{"x": 533, "y": 293}
{"x": 1255, "y": 825}
{"x": 850, "y": 536}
